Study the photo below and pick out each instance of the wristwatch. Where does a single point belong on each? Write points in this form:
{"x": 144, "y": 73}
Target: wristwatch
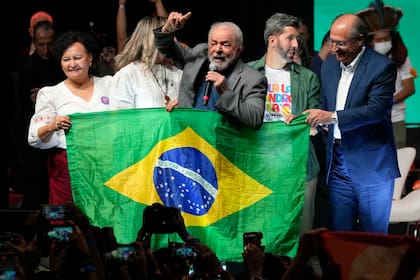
{"x": 334, "y": 119}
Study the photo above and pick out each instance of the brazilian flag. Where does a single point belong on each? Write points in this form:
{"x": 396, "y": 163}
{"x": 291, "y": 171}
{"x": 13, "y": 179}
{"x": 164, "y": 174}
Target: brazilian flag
{"x": 225, "y": 179}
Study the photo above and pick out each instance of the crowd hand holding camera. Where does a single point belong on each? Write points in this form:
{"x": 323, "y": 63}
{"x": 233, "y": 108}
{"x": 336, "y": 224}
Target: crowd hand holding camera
{"x": 142, "y": 259}
{"x": 80, "y": 219}
{"x": 128, "y": 261}
{"x": 183, "y": 254}
{"x": 131, "y": 261}
{"x": 28, "y": 254}
{"x": 253, "y": 250}
{"x": 9, "y": 262}
{"x": 118, "y": 258}
{"x": 254, "y": 259}
{"x": 142, "y": 244}
{"x": 56, "y": 214}
{"x": 206, "y": 262}
{"x": 25, "y": 255}
{"x": 67, "y": 223}
{"x": 78, "y": 238}
{"x": 10, "y": 267}
{"x": 69, "y": 230}
{"x": 12, "y": 242}
{"x": 161, "y": 219}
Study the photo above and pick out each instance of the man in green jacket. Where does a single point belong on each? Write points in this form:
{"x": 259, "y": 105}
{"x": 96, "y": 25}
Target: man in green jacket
{"x": 292, "y": 89}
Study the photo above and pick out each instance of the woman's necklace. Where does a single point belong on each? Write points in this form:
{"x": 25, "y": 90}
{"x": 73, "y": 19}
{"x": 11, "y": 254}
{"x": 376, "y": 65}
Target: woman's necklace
{"x": 164, "y": 90}
{"x": 80, "y": 90}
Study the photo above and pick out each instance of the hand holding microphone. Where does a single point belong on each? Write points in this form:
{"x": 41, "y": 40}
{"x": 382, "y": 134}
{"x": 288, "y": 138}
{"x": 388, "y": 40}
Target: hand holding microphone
{"x": 209, "y": 85}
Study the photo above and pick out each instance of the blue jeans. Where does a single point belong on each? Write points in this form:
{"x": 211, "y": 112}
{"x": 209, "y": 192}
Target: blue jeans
{"x": 355, "y": 205}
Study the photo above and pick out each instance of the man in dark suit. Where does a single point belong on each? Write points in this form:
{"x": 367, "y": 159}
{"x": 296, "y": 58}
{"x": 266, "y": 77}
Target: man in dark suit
{"x": 237, "y": 91}
{"x": 357, "y": 86}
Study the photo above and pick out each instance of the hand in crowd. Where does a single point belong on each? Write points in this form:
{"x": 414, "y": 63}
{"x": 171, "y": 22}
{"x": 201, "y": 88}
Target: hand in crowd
{"x": 27, "y": 255}
{"x": 94, "y": 253}
{"x": 81, "y": 220}
{"x": 311, "y": 245}
{"x": 108, "y": 54}
{"x": 254, "y": 259}
{"x": 207, "y": 265}
{"x": 175, "y": 21}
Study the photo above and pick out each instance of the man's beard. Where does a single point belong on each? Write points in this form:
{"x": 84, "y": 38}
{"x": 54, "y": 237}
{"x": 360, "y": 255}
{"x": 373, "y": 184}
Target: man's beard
{"x": 225, "y": 64}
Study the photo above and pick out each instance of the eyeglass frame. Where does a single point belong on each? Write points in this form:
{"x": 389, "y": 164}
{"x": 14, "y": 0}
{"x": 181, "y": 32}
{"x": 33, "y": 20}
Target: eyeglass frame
{"x": 344, "y": 43}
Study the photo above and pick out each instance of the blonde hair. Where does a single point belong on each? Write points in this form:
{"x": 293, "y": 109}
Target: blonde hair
{"x": 141, "y": 47}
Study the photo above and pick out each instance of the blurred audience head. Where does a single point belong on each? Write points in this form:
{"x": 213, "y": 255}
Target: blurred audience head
{"x": 37, "y": 17}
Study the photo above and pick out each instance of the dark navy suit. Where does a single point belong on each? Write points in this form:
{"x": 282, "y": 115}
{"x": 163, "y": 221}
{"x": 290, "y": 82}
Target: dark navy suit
{"x": 361, "y": 169}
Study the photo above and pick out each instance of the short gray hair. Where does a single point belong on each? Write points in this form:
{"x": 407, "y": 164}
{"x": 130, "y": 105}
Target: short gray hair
{"x": 277, "y": 22}
{"x": 237, "y": 31}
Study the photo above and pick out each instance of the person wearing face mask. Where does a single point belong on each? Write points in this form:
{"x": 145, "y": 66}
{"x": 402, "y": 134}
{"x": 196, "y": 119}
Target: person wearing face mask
{"x": 382, "y": 47}
{"x": 391, "y": 44}
{"x": 384, "y": 38}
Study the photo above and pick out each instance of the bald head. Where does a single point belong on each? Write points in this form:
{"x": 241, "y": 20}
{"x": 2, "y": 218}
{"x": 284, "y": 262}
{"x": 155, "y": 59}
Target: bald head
{"x": 347, "y": 37}
{"x": 350, "y": 24}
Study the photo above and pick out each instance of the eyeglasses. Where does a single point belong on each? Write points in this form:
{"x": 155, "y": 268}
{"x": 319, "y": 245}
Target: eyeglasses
{"x": 341, "y": 43}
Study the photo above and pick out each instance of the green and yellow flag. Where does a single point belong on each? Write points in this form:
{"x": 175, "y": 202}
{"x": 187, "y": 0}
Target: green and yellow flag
{"x": 226, "y": 180}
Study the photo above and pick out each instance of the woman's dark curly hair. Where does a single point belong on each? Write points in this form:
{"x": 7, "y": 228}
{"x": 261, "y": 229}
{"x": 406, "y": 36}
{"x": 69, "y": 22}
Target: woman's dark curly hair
{"x": 66, "y": 39}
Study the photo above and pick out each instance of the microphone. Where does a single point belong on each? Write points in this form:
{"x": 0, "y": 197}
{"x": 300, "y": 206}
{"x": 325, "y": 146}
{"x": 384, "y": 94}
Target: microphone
{"x": 209, "y": 85}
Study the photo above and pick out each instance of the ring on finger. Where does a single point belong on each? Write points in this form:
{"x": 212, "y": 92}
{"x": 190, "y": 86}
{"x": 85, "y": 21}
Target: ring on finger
{"x": 59, "y": 125}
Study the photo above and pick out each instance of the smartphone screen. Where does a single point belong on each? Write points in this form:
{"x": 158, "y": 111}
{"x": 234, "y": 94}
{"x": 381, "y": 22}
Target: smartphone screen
{"x": 54, "y": 212}
{"x": 7, "y": 267}
{"x": 60, "y": 233}
{"x": 184, "y": 252}
{"x": 7, "y": 273}
{"x": 123, "y": 253}
{"x": 184, "y": 256}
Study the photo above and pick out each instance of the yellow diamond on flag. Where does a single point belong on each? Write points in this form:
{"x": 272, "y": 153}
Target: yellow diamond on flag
{"x": 187, "y": 172}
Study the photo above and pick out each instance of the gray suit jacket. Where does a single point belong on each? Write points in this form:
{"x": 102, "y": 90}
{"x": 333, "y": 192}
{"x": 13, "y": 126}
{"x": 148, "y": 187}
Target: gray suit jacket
{"x": 243, "y": 101}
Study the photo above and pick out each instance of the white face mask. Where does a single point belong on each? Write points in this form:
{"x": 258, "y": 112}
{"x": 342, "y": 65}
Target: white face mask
{"x": 383, "y": 47}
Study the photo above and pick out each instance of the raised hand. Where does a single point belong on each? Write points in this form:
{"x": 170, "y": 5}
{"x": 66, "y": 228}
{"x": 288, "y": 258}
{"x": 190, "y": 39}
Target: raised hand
{"x": 175, "y": 21}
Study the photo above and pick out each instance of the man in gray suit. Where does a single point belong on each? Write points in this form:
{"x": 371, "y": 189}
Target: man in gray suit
{"x": 214, "y": 76}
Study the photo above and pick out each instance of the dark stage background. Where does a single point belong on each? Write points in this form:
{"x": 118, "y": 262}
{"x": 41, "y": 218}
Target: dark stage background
{"x": 76, "y": 14}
